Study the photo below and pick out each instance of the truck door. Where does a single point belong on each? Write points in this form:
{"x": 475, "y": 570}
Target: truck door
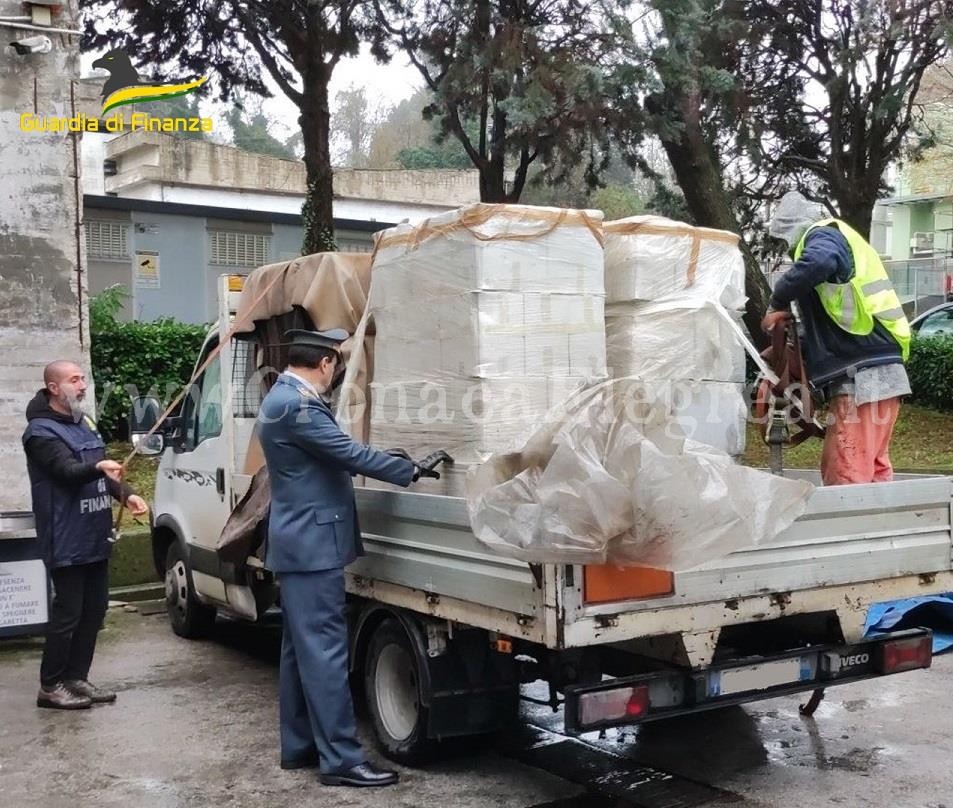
{"x": 196, "y": 479}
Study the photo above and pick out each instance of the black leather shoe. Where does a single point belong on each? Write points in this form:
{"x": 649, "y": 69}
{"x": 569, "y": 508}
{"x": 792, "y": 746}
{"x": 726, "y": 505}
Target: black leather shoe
{"x": 95, "y": 694}
{"x": 60, "y": 697}
{"x": 363, "y": 775}
{"x": 303, "y": 762}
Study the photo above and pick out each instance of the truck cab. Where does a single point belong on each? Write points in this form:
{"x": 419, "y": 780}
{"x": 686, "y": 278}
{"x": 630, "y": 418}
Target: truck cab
{"x": 201, "y": 475}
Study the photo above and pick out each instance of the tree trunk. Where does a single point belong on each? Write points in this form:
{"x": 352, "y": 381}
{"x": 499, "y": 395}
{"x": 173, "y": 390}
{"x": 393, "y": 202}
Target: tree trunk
{"x": 492, "y": 183}
{"x": 857, "y": 212}
{"x": 315, "y": 122}
{"x": 699, "y": 177}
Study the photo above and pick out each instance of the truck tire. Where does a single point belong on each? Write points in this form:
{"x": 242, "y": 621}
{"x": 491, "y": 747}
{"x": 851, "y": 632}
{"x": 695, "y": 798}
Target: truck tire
{"x": 188, "y": 617}
{"x": 392, "y": 685}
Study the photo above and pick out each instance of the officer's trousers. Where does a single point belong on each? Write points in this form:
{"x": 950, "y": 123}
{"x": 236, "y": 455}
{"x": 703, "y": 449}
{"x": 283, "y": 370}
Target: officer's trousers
{"x": 80, "y": 599}
{"x": 315, "y": 701}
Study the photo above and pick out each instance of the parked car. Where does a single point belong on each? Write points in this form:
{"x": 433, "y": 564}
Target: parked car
{"x": 938, "y": 320}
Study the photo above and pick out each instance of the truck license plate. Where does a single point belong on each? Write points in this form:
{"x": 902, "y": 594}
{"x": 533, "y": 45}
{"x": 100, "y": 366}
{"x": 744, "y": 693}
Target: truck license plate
{"x": 754, "y": 677}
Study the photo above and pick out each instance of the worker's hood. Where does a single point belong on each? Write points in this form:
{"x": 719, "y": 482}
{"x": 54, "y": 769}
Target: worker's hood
{"x": 39, "y": 407}
{"x": 793, "y": 216}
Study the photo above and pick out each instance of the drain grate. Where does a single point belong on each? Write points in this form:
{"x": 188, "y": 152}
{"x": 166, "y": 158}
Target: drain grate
{"x": 611, "y": 781}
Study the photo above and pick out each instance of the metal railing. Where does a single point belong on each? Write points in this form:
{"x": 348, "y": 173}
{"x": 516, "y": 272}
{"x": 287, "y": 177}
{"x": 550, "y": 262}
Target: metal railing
{"x": 921, "y": 283}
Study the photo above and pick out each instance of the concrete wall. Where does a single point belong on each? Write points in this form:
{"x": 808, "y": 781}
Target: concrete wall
{"x": 42, "y": 277}
{"x": 367, "y": 210}
{"x": 164, "y": 168}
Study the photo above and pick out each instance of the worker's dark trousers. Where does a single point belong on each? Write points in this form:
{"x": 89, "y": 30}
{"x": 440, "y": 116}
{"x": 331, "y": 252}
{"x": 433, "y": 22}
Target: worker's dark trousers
{"x": 80, "y": 599}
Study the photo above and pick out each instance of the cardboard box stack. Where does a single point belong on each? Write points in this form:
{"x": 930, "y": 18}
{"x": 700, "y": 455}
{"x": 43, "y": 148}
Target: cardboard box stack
{"x": 672, "y": 293}
{"x": 485, "y": 318}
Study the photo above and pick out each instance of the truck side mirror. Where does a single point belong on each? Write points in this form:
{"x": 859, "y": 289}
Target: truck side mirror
{"x": 143, "y": 416}
{"x": 149, "y": 445}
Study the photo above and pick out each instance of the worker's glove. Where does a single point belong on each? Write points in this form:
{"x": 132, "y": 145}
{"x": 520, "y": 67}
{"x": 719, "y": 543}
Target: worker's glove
{"x": 427, "y": 466}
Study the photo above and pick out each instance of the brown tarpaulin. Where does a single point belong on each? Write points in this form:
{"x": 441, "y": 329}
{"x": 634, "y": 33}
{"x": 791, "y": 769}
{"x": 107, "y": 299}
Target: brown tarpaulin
{"x": 331, "y": 290}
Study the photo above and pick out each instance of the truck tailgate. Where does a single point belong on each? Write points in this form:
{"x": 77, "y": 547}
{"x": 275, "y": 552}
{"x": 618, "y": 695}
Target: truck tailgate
{"x": 849, "y": 534}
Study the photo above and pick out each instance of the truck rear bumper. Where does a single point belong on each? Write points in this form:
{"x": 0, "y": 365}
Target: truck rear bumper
{"x": 663, "y": 694}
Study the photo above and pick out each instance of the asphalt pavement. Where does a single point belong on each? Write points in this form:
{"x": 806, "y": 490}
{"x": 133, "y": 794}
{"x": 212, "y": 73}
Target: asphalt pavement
{"x": 196, "y": 725}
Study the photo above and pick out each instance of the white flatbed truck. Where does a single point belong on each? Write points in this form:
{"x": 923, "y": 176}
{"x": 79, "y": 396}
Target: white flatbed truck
{"x": 444, "y": 631}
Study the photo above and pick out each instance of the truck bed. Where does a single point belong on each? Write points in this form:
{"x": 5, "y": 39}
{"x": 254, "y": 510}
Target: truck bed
{"x": 855, "y": 545}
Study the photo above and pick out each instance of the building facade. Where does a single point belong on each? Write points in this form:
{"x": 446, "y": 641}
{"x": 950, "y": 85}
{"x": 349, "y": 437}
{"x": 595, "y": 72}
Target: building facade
{"x": 165, "y": 216}
{"x": 168, "y": 255}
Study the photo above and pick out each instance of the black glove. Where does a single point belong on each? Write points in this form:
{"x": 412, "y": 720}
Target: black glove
{"x": 427, "y": 466}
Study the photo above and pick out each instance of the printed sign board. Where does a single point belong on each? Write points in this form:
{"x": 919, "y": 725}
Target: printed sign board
{"x": 23, "y": 596}
{"x": 146, "y": 269}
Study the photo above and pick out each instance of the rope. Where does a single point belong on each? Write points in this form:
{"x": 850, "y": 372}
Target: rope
{"x": 223, "y": 341}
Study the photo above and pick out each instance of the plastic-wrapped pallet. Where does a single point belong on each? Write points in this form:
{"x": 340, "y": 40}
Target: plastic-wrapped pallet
{"x": 673, "y": 294}
{"x": 485, "y": 318}
{"x": 652, "y": 258}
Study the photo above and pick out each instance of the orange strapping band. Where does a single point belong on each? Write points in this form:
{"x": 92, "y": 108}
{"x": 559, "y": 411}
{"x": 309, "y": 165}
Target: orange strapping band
{"x": 696, "y": 234}
{"x": 478, "y": 215}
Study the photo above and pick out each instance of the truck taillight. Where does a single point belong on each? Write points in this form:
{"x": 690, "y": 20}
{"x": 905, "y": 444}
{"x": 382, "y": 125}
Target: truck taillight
{"x": 906, "y": 655}
{"x": 615, "y": 705}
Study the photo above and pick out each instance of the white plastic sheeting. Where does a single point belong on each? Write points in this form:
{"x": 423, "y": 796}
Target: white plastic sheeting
{"x": 672, "y": 297}
{"x": 652, "y": 258}
{"x": 485, "y": 319}
{"x": 679, "y": 338}
{"x": 612, "y": 479}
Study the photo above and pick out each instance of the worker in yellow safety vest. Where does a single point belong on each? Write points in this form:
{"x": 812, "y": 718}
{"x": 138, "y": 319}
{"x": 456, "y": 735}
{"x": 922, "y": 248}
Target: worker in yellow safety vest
{"x": 855, "y": 336}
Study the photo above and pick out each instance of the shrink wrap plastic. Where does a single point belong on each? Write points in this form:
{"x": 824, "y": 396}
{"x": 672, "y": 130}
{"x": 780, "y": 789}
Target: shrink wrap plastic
{"x": 638, "y": 470}
{"x": 614, "y": 480}
{"x": 653, "y": 258}
{"x": 484, "y": 319}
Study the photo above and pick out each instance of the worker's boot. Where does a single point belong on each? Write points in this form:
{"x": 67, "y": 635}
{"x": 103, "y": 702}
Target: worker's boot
{"x": 60, "y": 697}
{"x": 95, "y": 694}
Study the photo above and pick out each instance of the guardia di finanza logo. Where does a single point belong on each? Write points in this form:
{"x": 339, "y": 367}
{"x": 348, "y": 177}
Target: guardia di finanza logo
{"x": 124, "y": 86}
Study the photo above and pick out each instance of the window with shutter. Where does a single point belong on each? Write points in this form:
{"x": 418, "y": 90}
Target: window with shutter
{"x": 106, "y": 240}
{"x": 228, "y": 248}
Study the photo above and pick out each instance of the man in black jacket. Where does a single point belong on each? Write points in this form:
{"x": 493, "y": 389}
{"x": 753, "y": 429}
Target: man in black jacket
{"x": 72, "y": 484}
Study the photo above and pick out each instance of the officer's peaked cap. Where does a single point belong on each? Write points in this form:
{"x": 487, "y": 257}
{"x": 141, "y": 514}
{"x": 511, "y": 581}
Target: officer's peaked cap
{"x": 331, "y": 338}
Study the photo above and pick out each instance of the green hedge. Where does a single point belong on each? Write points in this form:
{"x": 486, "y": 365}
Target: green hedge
{"x": 154, "y": 358}
{"x": 931, "y": 371}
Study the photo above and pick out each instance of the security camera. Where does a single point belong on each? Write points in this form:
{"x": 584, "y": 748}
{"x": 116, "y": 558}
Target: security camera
{"x": 33, "y": 44}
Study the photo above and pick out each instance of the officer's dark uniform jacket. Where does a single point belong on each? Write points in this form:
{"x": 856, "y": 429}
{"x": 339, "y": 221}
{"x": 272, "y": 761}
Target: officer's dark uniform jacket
{"x": 829, "y": 351}
{"x": 72, "y": 499}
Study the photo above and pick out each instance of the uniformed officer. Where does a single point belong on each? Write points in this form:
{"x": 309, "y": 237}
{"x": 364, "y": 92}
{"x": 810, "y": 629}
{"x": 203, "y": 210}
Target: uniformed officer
{"x": 72, "y": 484}
{"x": 312, "y": 535}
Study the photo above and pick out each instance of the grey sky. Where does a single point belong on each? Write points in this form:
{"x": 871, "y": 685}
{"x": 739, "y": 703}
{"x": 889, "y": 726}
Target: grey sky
{"x": 386, "y": 85}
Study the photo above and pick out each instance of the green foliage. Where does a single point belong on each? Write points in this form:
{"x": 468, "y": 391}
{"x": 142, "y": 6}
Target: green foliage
{"x": 449, "y": 154}
{"x": 250, "y": 133}
{"x": 617, "y": 202}
{"x": 137, "y": 359}
{"x": 537, "y": 79}
{"x": 931, "y": 371}
{"x": 180, "y": 106}
{"x": 104, "y": 308}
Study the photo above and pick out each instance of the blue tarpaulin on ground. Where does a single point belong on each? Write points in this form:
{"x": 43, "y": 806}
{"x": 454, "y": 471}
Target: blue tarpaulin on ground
{"x": 933, "y": 612}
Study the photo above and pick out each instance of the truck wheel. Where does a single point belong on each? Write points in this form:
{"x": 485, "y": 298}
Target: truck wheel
{"x": 392, "y": 686}
{"x": 189, "y": 618}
